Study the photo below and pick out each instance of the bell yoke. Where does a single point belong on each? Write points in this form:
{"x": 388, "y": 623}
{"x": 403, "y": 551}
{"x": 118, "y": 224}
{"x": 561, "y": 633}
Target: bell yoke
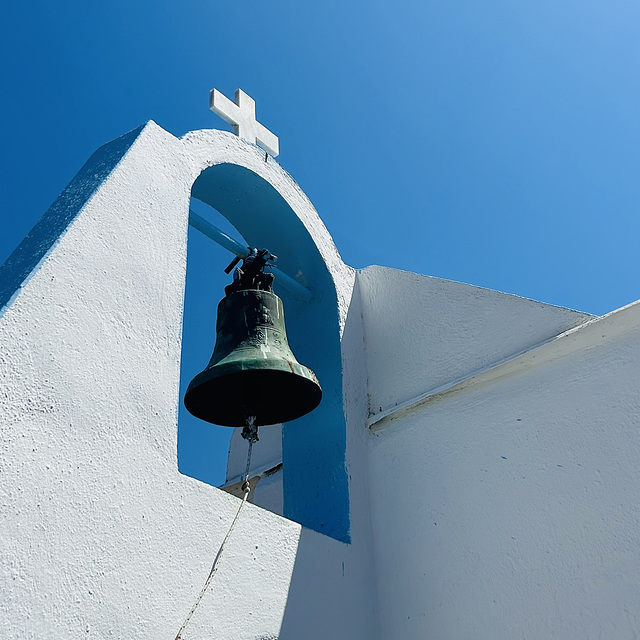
{"x": 252, "y": 373}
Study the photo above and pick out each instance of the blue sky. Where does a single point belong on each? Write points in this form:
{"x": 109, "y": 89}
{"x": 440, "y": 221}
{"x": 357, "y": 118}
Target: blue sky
{"x": 493, "y": 143}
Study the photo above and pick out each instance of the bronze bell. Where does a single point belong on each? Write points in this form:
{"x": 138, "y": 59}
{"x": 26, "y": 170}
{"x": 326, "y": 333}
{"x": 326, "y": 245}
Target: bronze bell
{"x": 252, "y": 372}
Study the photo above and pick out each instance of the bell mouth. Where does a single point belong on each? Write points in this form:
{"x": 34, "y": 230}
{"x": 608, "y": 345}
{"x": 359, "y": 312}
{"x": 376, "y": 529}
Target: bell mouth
{"x": 271, "y": 396}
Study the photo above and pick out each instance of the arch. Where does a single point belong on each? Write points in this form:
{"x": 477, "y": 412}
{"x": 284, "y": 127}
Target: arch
{"x": 269, "y": 210}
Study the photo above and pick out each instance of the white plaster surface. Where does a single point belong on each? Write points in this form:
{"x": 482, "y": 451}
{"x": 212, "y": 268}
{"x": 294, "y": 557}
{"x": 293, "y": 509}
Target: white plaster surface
{"x": 506, "y": 507}
{"x": 101, "y": 536}
{"x": 424, "y": 332}
{"x": 510, "y": 509}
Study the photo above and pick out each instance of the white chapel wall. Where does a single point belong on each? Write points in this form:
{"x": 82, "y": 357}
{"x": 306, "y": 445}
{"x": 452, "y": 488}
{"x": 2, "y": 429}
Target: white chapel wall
{"x": 101, "y": 535}
{"x": 510, "y": 508}
{"x": 504, "y": 507}
{"x": 427, "y": 332}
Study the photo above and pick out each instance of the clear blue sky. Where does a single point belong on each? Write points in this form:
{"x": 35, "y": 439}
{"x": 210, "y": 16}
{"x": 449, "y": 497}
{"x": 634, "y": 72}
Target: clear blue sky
{"x": 495, "y": 143}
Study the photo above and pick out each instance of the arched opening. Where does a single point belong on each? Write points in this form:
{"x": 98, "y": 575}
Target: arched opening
{"x": 315, "y": 485}
{"x": 202, "y": 448}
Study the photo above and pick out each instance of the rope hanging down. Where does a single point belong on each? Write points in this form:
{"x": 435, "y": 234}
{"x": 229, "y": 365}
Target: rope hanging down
{"x": 249, "y": 433}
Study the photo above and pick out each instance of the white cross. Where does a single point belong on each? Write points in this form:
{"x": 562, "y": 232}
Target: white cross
{"x": 242, "y": 117}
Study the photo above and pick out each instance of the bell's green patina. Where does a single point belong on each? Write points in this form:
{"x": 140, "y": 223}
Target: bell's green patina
{"x": 253, "y": 372}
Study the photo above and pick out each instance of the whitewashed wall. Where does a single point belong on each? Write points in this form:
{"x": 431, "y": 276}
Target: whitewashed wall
{"x": 423, "y": 333}
{"x": 506, "y": 505}
{"x": 100, "y": 535}
{"x": 491, "y": 442}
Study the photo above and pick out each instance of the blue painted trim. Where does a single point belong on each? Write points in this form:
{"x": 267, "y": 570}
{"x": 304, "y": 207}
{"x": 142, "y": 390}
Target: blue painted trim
{"x": 217, "y": 235}
{"x": 315, "y": 480}
{"x": 230, "y": 244}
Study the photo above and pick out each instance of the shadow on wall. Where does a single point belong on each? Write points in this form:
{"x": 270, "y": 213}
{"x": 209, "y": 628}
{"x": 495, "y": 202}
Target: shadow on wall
{"x": 315, "y": 478}
{"x": 332, "y": 591}
{"x": 326, "y": 596}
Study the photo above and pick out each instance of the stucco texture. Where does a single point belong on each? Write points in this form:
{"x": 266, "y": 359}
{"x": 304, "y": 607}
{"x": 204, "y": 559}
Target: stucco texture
{"x": 101, "y": 535}
{"x": 473, "y": 462}
{"x": 507, "y": 505}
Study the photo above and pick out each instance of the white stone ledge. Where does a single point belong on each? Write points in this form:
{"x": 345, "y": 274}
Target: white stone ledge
{"x": 587, "y": 335}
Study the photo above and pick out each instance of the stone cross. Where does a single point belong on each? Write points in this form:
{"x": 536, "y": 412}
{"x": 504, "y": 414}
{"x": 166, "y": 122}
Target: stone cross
{"x": 242, "y": 117}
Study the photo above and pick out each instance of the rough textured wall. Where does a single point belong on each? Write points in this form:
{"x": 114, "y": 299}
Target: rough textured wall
{"x": 506, "y": 507}
{"x": 424, "y": 332}
{"x": 101, "y": 536}
{"x": 509, "y": 508}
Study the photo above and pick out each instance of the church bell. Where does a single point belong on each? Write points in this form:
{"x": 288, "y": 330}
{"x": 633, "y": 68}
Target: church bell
{"x": 253, "y": 372}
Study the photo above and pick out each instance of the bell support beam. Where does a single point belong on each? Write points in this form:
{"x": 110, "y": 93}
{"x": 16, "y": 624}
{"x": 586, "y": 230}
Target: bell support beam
{"x": 217, "y": 235}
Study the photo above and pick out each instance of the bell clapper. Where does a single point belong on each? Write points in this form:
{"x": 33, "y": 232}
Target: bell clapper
{"x": 250, "y": 434}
